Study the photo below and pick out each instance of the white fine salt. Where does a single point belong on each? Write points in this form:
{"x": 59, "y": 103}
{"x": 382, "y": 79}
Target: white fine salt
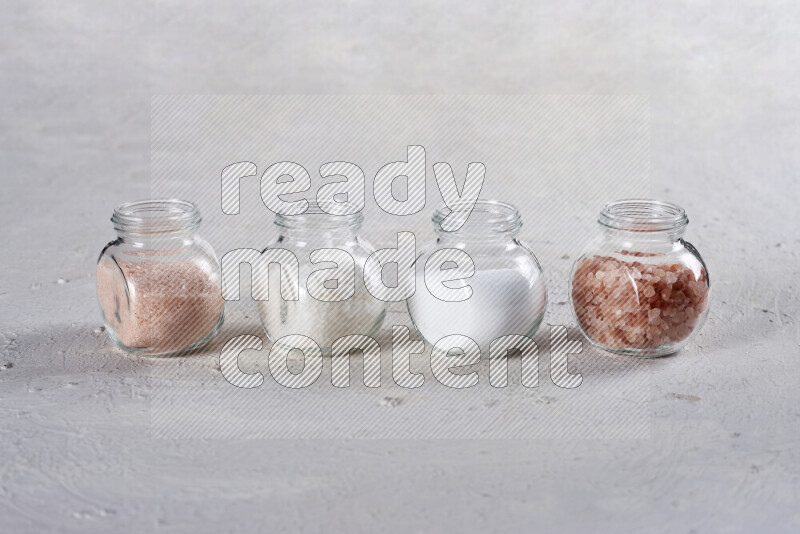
{"x": 503, "y": 302}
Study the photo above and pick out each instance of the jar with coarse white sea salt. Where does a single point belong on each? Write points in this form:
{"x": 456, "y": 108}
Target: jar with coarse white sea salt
{"x": 639, "y": 288}
{"x": 332, "y": 301}
{"x": 159, "y": 282}
{"x": 479, "y": 280}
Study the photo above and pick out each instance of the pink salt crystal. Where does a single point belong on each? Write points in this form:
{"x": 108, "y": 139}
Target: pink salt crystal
{"x": 635, "y": 305}
{"x": 596, "y": 284}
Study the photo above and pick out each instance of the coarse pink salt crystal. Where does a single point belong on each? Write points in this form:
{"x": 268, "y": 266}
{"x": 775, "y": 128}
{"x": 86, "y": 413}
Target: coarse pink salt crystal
{"x": 625, "y": 312}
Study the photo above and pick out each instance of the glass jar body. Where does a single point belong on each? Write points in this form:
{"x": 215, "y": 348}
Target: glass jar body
{"x": 324, "y": 321}
{"x": 160, "y": 294}
{"x": 639, "y": 293}
{"x": 508, "y": 291}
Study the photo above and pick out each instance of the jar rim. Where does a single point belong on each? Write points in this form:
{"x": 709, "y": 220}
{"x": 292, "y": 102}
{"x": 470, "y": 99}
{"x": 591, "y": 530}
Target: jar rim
{"x": 488, "y": 217}
{"x": 643, "y": 215}
{"x": 315, "y": 217}
{"x": 155, "y": 216}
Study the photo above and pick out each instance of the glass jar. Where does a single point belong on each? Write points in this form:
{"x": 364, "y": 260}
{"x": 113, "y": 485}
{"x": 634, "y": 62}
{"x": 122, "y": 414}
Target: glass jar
{"x": 639, "y": 288}
{"x": 508, "y": 289}
{"x": 324, "y": 321}
{"x": 159, "y": 282}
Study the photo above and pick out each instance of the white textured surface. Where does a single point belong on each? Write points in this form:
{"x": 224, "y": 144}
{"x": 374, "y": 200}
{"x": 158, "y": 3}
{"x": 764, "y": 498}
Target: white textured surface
{"x": 76, "y": 82}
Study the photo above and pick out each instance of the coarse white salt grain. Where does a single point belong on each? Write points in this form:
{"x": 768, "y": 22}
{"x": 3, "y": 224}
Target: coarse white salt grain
{"x": 322, "y": 321}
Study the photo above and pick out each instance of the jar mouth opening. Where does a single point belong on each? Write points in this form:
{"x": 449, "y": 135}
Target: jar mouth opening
{"x": 315, "y": 217}
{"x": 643, "y": 215}
{"x": 156, "y": 216}
{"x": 487, "y": 218}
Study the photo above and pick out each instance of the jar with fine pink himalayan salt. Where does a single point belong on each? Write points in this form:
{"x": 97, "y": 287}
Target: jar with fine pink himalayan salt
{"x": 159, "y": 283}
{"x": 639, "y": 289}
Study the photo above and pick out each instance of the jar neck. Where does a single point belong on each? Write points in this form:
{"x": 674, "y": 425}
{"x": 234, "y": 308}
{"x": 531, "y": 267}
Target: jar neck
{"x": 317, "y": 225}
{"x": 455, "y": 239}
{"x": 643, "y": 222}
{"x": 490, "y": 221}
{"x": 319, "y": 234}
{"x": 157, "y": 223}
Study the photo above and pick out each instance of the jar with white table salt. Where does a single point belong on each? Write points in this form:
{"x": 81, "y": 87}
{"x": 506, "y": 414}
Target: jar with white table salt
{"x": 159, "y": 282}
{"x": 505, "y": 290}
{"x": 325, "y": 309}
{"x": 639, "y": 288}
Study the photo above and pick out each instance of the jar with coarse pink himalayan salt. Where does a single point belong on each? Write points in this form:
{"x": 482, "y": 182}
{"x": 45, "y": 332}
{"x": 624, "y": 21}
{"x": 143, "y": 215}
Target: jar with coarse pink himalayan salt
{"x": 159, "y": 282}
{"x": 639, "y": 288}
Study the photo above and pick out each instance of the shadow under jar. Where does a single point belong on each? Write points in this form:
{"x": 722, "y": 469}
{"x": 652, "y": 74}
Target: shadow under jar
{"x": 158, "y": 283}
{"x": 323, "y": 312}
{"x": 639, "y": 288}
{"x": 508, "y": 293}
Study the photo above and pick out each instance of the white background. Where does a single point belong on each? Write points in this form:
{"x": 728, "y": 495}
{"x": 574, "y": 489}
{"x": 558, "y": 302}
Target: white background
{"x": 76, "y": 80}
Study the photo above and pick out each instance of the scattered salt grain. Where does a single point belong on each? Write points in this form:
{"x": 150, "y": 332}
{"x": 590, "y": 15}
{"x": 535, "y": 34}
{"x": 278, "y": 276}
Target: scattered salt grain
{"x": 391, "y": 401}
